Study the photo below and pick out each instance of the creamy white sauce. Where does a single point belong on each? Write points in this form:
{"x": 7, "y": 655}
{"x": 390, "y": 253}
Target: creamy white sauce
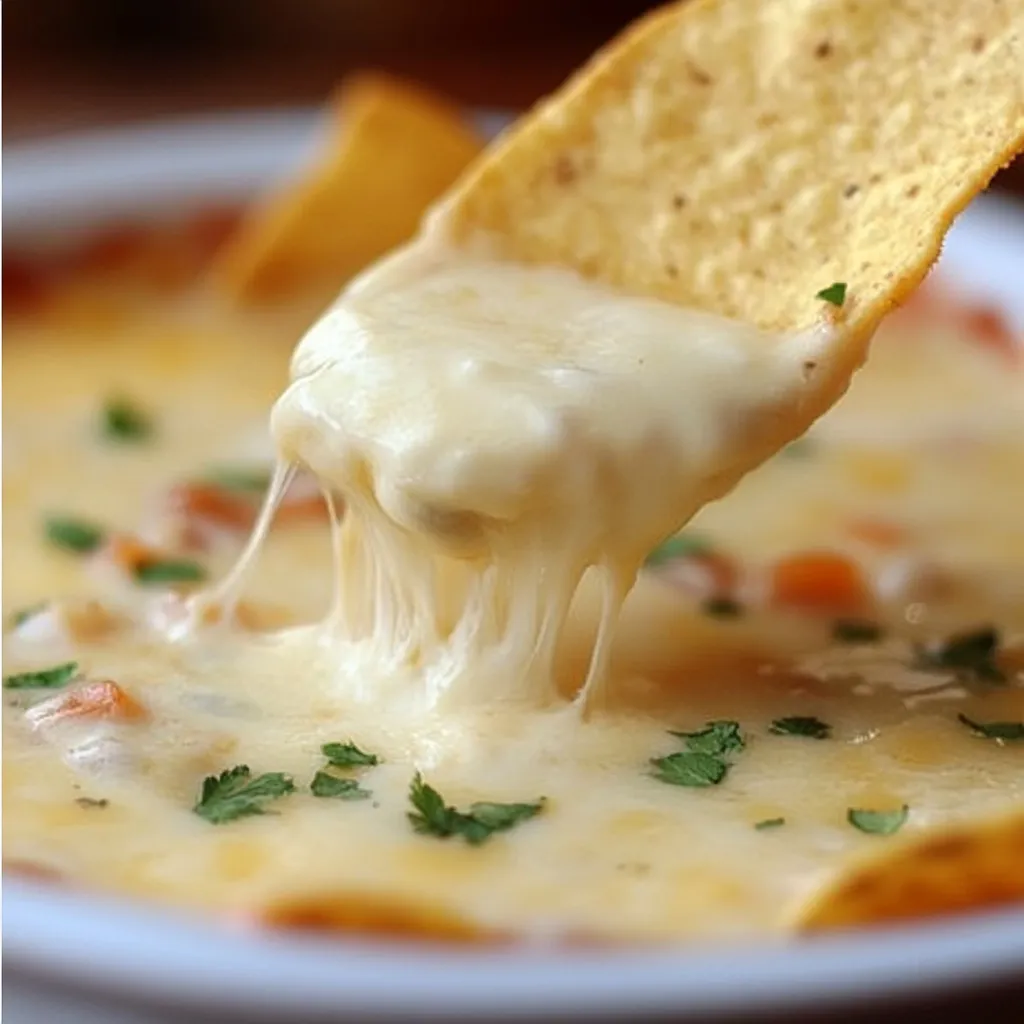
{"x": 498, "y": 430}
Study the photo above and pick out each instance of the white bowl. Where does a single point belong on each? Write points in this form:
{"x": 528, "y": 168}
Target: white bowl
{"x": 80, "y": 957}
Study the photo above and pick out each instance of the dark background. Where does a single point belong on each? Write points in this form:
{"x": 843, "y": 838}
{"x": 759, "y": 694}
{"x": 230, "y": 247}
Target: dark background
{"x": 84, "y": 63}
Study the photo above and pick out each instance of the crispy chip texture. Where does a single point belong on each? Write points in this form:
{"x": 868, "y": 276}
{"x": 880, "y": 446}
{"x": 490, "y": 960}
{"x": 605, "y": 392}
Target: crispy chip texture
{"x": 965, "y": 868}
{"x": 740, "y": 156}
{"x": 392, "y": 149}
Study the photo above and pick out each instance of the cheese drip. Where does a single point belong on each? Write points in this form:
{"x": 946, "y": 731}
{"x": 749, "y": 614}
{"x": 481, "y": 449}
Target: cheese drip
{"x": 497, "y": 431}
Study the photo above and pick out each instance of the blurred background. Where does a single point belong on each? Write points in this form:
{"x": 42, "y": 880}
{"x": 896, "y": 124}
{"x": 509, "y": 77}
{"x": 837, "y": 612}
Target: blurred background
{"x": 84, "y": 63}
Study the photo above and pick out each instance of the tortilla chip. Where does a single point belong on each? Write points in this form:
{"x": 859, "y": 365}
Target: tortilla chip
{"x": 740, "y": 157}
{"x": 393, "y": 149}
{"x": 969, "y": 867}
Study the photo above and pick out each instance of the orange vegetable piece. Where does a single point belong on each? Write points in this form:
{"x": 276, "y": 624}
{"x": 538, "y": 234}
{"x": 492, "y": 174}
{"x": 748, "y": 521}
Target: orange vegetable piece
{"x": 212, "y": 504}
{"x": 103, "y": 698}
{"x": 990, "y": 329}
{"x": 881, "y": 533}
{"x": 824, "y": 580}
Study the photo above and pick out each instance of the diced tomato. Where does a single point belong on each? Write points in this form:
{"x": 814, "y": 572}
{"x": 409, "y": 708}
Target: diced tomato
{"x": 989, "y": 327}
{"x": 127, "y": 552}
{"x": 102, "y": 699}
{"x": 824, "y": 580}
{"x": 212, "y": 504}
{"x": 880, "y": 533}
{"x": 301, "y": 509}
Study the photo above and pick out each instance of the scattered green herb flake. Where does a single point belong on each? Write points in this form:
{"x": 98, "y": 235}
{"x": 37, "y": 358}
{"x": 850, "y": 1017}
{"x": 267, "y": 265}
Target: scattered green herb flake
{"x": 432, "y": 816}
{"x": 348, "y": 755}
{"x": 169, "y": 570}
{"x": 690, "y": 768}
{"x": 73, "y": 534}
{"x": 972, "y": 654}
{"x": 722, "y": 608}
{"x": 22, "y": 615}
{"x": 722, "y": 736}
{"x": 236, "y": 794}
{"x": 325, "y": 784}
{"x": 856, "y": 631}
{"x": 90, "y": 803}
{"x": 769, "y": 823}
{"x": 251, "y": 479}
{"x": 801, "y": 725}
{"x": 878, "y": 823}
{"x": 834, "y": 294}
{"x": 1008, "y": 731}
{"x": 43, "y": 679}
{"x": 682, "y": 545}
{"x": 125, "y": 421}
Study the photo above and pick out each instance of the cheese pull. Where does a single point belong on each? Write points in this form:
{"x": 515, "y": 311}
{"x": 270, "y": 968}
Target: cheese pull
{"x": 659, "y": 277}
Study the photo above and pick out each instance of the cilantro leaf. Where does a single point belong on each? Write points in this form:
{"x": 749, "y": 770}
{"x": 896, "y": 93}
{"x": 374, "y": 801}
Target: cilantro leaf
{"x": 722, "y": 608}
{"x": 972, "y": 654}
{"x": 834, "y": 294}
{"x": 72, "y": 534}
{"x": 436, "y": 818}
{"x": 236, "y": 794}
{"x": 169, "y": 570}
{"x": 44, "y": 678}
{"x": 690, "y": 768}
{"x": 994, "y": 730}
{"x": 499, "y": 817}
{"x": 124, "y": 421}
{"x": 768, "y": 823}
{"x": 327, "y": 785}
{"x": 347, "y": 755}
{"x": 682, "y": 545}
{"x": 251, "y": 479}
{"x": 719, "y": 737}
{"x": 801, "y": 725}
{"x": 878, "y": 823}
{"x": 856, "y": 631}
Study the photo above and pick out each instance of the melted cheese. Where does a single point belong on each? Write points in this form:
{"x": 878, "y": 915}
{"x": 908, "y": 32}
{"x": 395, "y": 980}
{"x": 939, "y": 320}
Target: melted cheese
{"x": 532, "y": 424}
{"x": 615, "y": 854}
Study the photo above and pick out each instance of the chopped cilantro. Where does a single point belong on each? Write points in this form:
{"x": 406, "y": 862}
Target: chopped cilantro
{"x": 856, "y": 631}
{"x": 682, "y": 545}
{"x": 689, "y": 768}
{"x": 834, "y": 294}
{"x": 169, "y": 570}
{"x": 878, "y": 823}
{"x": 347, "y": 755}
{"x": 434, "y": 817}
{"x": 994, "y": 730}
{"x": 327, "y": 785}
{"x": 124, "y": 421}
{"x": 801, "y": 725}
{"x": 971, "y": 654}
{"x": 719, "y": 737}
{"x": 722, "y": 608}
{"x": 236, "y": 794}
{"x": 240, "y": 478}
{"x": 76, "y": 535}
{"x": 43, "y": 679}
{"x": 768, "y": 823}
